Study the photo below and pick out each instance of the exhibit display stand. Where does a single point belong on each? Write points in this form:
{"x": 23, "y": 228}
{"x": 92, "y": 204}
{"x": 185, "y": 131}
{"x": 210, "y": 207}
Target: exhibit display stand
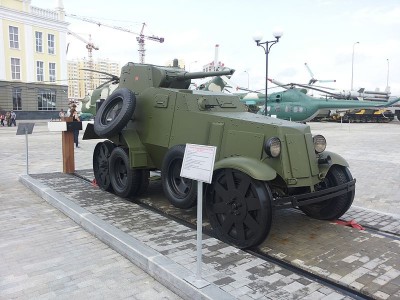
{"x": 198, "y": 164}
{"x": 26, "y": 128}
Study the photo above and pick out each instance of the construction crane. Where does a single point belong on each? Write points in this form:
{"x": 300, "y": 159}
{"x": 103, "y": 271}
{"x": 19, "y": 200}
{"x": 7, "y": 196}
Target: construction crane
{"x": 141, "y": 37}
{"x": 89, "y": 46}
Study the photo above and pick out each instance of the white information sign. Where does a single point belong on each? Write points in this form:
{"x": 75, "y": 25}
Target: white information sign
{"x": 198, "y": 162}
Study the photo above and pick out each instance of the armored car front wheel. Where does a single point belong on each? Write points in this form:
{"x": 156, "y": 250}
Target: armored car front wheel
{"x": 335, "y": 207}
{"x": 239, "y": 208}
{"x": 101, "y": 171}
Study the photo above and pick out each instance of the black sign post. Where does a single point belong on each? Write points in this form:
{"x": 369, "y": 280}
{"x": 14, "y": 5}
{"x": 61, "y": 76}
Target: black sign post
{"x": 25, "y": 128}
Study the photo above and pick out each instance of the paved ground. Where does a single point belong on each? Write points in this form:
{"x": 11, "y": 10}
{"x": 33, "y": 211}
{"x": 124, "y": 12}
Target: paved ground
{"x": 371, "y": 150}
{"x": 43, "y": 253}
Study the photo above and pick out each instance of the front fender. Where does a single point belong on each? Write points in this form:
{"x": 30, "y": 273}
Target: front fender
{"x": 252, "y": 167}
{"x": 335, "y": 159}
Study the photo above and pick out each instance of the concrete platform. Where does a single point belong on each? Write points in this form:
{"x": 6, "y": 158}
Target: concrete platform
{"x": 166, "y": 250}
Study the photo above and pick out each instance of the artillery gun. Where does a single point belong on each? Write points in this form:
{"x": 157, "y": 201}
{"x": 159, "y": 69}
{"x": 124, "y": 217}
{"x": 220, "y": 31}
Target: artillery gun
{"x": 261, "y": 164}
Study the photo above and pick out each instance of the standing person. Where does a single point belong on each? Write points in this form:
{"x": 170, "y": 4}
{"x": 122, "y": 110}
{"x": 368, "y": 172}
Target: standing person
{"x": 2, "y": 117}
{"x": 71, "y": 105}
{"x": 13, "y": 117}
{"x": 75, "y": 118}
{"x": 61, "y": 114}
{"x": 8, "y": 118}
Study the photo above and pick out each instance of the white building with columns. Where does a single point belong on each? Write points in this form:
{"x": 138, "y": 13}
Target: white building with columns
{"x": 33, "y": 64}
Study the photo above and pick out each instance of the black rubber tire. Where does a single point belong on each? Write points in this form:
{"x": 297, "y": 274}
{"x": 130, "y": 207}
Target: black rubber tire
{"x": 239, "y": 208}
{"x": 115, "y": 113}
{"x": 144, "y": 182}
{"x": 126, "y": 182}
{"x": 101, "y": 155}
{"x": 181, "y": 192}
{"x": 333, "y": 208}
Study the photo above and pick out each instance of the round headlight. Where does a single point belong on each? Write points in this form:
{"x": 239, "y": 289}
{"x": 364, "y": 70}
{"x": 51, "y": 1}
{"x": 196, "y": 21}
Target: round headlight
{"x": 272, "y": 147}
{"x": 319, "y": 143}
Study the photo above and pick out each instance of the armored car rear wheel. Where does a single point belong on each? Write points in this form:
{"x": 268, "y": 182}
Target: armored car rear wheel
{"x": 239, "y": 208}
{"x": 143, "y": 182}
{"x": 126, "y": 181}
{"x": 333, "y": 208}
{"x": 181, "y": 192}
{"x": 115, "y": 113}
{"x": 101, "y": 171}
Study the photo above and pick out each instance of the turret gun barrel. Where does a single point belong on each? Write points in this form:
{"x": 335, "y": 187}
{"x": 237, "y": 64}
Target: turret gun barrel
{"x": 195, "y": 75}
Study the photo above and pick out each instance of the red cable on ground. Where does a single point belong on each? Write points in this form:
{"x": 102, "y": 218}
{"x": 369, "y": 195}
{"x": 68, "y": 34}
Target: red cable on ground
{"x": 351, "y": 223}
{"x": 94, "y": 183}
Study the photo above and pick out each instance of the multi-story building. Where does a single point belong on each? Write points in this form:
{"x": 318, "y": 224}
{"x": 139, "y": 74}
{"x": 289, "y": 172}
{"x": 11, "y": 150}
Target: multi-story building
{"x": 81, "y": 82}
{"x": 33, "y": 65}
{"x": 215, "y": 65}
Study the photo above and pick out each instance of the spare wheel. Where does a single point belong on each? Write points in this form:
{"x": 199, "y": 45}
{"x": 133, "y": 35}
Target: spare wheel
{"x": 115, "y": 113}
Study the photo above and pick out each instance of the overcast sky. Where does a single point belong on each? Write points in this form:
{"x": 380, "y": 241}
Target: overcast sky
{"x": 319, "y": 32}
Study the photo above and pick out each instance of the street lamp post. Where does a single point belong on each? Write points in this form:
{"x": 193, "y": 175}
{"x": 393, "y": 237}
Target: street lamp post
{"x": 248, "y": 79}
{"x": 267, "y": 48}
{"x": 352, "y": 65}
{"x": 387, "y": 77}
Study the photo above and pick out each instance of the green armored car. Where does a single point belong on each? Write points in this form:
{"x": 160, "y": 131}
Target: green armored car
{"x": 262, "y": 163}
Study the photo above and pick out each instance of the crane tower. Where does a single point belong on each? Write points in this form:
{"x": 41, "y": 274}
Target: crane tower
{"x": 140, "y": 36}
{"x": 89, "y": 46}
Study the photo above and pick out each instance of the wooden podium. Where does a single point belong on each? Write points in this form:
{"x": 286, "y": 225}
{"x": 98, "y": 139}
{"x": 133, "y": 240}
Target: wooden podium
{"x": 68, "y": 152}
{"x": 68, "y": 144}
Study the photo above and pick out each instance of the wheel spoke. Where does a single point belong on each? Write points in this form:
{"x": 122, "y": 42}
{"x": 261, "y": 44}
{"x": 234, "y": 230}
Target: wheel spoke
{"x": 220, "y": 190}
{"x": 176, "y": 171}
{"x": 227, "y": 224}
{"x": 230, "y": 181}
{"x": 181, "y": 185}
{"x": 253, "y": 204}
{"x": 104, "y": 153}
{"x": 251, "y": 223}
{"x": 243, "y": 187}
{"x": 103, "y": 177}
{"x": 240, "y": 230}
{"x": 219, "y": 208}
{"x": 122, "y": 173}
{"x": 225, "y": 193}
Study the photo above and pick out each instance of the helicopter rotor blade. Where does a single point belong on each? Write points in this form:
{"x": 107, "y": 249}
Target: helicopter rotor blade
{"x": 316, "y": 89}
{"x": 309, "y": 71}
{"x": 105, "y": 83}
{"x": 325, "y": 87}
{"x": 327, "y": 80}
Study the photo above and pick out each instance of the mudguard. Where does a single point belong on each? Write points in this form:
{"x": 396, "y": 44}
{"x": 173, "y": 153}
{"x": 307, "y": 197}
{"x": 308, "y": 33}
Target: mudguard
{"x": 335, "y": 159}
{"x": 138, "y": 156}
{"x": 252, "y": 167}
{"x": 89, "y": 133}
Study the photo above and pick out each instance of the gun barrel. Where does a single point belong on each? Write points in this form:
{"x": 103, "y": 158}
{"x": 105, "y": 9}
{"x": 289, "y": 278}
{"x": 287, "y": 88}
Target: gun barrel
{"x": 195, "y": 75}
